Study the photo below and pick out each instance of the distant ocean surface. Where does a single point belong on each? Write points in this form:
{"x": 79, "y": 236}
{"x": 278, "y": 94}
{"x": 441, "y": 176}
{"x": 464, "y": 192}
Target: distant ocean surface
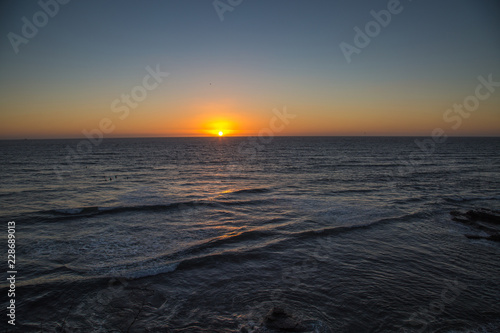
{"x": 209, "y": 234}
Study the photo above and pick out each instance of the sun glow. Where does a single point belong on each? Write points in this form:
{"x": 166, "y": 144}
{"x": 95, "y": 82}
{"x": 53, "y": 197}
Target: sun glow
{"x": 220, "y": 128}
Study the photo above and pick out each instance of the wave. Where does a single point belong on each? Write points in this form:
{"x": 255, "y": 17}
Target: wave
{"x": 341, "y": 229}
{"x": 251, "y": 191}
{"x": 91, "y": 211}
{"x": 348, "y": 191}
{"x": 246, "y": 245}
{"x": 456, "y": 199}
{"x": 408, "y": 200}
{"x": 209, "y": 252}
{"x": 217, "y": 258}
{"x": 153, "y": 271}
{"x": 254, "y": 234}
{"x": 212, "y": 252}
{"x": 83, "y": 212}
{"x": 192, "y": 259}
{"x": 244, "y": 202}
{"x": 197, "y": 256}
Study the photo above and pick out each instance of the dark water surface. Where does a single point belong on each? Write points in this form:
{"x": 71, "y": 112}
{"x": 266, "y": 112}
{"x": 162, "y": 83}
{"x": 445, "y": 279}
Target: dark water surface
{"x": 208, "y": 234}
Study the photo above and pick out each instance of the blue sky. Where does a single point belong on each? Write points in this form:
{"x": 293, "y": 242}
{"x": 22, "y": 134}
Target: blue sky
{"x": 264, "y": 54}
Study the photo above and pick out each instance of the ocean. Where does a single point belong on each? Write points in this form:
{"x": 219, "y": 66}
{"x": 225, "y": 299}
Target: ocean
{"x": 345, "y": 234}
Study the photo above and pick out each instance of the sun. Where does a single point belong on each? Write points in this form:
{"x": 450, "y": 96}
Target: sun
{"x": 221, "y": 133}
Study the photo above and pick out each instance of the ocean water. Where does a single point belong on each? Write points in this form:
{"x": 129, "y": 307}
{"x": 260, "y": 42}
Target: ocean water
{"x": 208, "y": 234}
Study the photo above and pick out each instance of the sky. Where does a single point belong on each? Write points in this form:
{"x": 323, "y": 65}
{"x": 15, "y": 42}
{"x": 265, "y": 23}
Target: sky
{"x": 233, "y": 65}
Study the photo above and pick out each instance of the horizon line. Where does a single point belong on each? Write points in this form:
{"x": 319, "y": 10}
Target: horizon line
{"x": 251, "y": 136}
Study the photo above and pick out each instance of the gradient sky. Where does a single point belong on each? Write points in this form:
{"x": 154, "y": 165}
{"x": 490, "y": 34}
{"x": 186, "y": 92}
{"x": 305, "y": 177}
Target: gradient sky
{"x": 229, "y": 75}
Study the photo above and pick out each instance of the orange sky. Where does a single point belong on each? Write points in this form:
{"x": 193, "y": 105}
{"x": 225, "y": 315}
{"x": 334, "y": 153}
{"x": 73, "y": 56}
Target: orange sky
{"x": 229, "y": 76}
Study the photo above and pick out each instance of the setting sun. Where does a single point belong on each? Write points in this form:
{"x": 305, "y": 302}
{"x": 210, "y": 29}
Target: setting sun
{"x": 218, "y": 126}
